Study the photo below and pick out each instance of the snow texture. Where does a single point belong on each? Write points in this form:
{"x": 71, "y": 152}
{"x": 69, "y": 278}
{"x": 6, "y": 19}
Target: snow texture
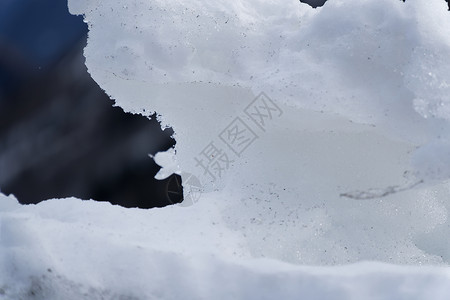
{"x": 68, "y": 249}
{"x": 381, "y": 63}
{"x": 313, "y": 145}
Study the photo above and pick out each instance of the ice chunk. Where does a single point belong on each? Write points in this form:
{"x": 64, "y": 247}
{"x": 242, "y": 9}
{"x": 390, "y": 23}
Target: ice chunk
{"x": 168, "y": 163}
{"x": 282, "y": 111}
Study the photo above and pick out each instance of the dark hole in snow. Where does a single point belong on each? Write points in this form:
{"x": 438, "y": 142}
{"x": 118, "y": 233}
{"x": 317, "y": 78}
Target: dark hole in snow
{"x": 314, "y": 3}
{"x": 59, "y": 134}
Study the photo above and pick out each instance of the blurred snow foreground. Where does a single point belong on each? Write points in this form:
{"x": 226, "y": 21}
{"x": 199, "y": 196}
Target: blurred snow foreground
{"x": 304, "y": 137}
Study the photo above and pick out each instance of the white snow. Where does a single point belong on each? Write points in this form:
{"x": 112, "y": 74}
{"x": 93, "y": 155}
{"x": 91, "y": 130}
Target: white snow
{"x": 68, "y": 249}
{"x": 168, "y": 163}
{"x": 347, "y": 167}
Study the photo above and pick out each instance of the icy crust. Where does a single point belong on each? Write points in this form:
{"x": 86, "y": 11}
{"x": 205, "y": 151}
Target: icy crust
{"x": 315, "y": 58}
{"x": 73, "y": 249}
{"x": 376, "y": 62}
{"x": 348, "y": 160}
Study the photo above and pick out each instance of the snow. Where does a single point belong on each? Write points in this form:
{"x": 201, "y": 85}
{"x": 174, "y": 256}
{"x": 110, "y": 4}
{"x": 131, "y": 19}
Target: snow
{"x": 68, "y": 249}
{"x": 168, "y": 163}
{"x": 339, "y": 190}
{"x": 382, "y": 64}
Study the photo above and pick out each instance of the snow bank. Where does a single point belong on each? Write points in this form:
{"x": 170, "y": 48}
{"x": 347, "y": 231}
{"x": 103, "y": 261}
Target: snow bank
{"x": 69, "y": 249}
{"x": 304, "y": 137}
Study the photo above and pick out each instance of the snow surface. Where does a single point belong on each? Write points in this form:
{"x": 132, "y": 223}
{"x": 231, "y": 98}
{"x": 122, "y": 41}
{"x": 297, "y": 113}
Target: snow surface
{"x": 68, "y": 249}
{"x": 349, "y": 168}
{"x": 375, "y": 62}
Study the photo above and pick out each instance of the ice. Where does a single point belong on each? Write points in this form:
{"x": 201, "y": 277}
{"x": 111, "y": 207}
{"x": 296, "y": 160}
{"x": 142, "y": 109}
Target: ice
{"x": 339, "y": 113}
{"x": 305, "y": 137}
{"x": 383, "y": 66}
{"x": 168, "y": 163}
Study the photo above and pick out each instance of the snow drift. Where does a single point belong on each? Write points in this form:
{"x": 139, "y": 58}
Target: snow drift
{"x": 312, "y": 137}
